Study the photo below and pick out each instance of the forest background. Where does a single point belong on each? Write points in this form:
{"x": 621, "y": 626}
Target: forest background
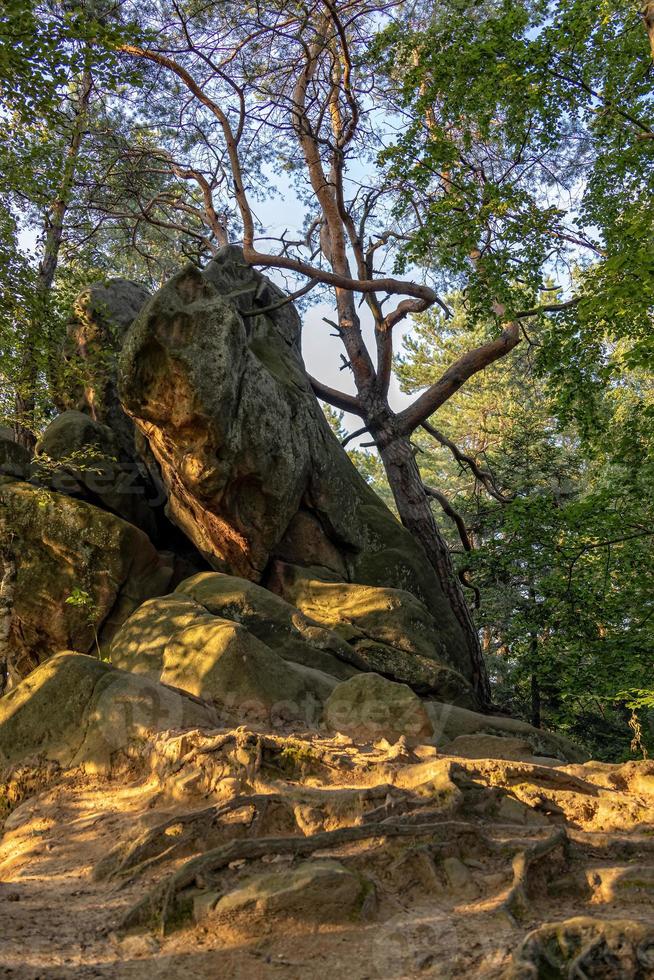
{"x": 460, "y": 200}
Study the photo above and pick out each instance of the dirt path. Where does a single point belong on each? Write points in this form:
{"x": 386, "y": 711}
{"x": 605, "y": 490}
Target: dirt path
{"x": 57, "y": 922}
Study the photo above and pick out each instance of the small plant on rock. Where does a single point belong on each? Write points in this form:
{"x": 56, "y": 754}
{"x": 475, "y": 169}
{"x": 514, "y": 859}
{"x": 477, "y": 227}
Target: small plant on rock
{"x": 82, "y": 600}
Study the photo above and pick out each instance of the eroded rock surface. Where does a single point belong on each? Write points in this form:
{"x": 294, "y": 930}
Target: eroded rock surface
{"x": 75, "y": 709}
{"x": 196, "y": 615}
{"x": 392, "y": 632}
{"x": 277, "y": 623}
{"x": 211, "y": 372}
{"x": 103, "y": 313}
{"x": 60, "y": 546}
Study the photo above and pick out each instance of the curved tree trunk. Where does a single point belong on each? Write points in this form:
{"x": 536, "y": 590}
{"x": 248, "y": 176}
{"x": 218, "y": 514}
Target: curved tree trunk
{"x": 413, "y": 505}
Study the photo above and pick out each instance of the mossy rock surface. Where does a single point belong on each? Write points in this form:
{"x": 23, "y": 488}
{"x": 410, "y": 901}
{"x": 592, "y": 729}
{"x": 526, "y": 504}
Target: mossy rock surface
{"x": 102, "y": 314}
{"x": 59, "y": 545}
{"x": 222, "y": 661}
{"x": 79, "y": 455}
{"x": 301, "y": 641}
{"x": 392, "y": 632}
{"x": 140, "y": 643}
{"x": 176, "y": 640}
{"x": 75, "y": 709}
{"x": 277, "y": 623}
{"x": 215, "y": 381}
{"x": 369, "y": 707}
{"x": 14, "y": 460}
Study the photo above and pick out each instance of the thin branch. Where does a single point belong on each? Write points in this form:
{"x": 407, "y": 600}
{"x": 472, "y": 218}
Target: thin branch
{"x": 353, "y": 435}
{"x": 282, "y": 302}
{"x": 547, "y": 308}
{"x": 453, "y": 515}
{"x": 484, "y": 476}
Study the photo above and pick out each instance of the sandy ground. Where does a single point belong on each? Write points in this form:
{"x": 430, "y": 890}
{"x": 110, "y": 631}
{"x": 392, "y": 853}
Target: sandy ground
{"x": 56, "y": 922}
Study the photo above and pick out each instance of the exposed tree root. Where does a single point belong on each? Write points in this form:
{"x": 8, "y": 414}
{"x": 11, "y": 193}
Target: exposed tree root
{"x": 157, "y": 841}
{"x": 516, "y": 902}
{"x": 169, "y": 838}
{"x": 512, "y": 772}
{"x": 159, "y": 908}
{"x": 256, "y": 742}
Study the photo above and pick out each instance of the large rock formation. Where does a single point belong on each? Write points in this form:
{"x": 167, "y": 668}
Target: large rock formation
{"x": 176, "y": 641}
{"x": 14, "y": 460}
{"x": 57, "y": 548}
{"x": 102, "y": 315}
{"x": 391, "y": 631}
{"x": 381, "y": 833}
{"x": 212, "y": 374}
{"x": 82, "y": 457}
{"x": 92, "y": 711}
{"x": 103, "y": 312}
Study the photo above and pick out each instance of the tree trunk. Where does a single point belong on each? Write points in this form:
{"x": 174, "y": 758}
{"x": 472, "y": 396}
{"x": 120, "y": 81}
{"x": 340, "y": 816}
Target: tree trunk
{"x": 533, "y": 658}
{"x": 535, "y": 702}
{"x": 415, "y": 512}
{"x": 648, "y": 16}
{"x": 26, "y": 422}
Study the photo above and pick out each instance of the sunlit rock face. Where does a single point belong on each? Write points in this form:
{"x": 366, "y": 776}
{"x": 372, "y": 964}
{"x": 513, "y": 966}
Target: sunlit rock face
{"x": 237, "y": 644}
{"x": 59, "y": 548}
{"x": 78, "y": 710}
{"x": 212, "y": 374}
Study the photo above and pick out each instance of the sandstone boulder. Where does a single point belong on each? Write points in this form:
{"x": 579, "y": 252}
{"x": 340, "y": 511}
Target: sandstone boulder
{"x": 61, "y": 547}
{"x": 277, "y": 623}
{"x": 14, "y": 460}
{"x": 102, "y": 314}
{"x": 140, "y": 643}
{"x": 391, "y": 631}
{"x": 296, "y": 638}
{"x": 390, "y": 616}
{"x": 221, "y": 661}
{"x": 176, "y": 641}
{"x": 314, "y": 891}
{"x": 212, "y": 374}
{"x": 451, "y": 722}
{"x": 82, "y": 457}
{"x": 490, "y": 747}
{"x": 75, "y": 709}
{"x": 369, "y": 707}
